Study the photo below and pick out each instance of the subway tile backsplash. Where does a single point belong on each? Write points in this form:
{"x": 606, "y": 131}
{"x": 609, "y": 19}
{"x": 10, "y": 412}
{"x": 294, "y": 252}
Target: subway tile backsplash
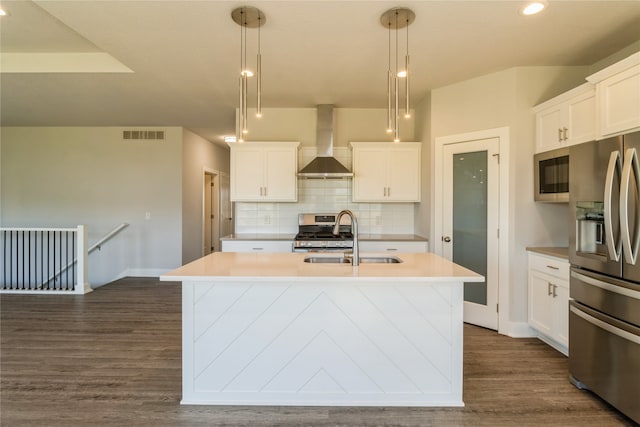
{"x": 323, "y": 196}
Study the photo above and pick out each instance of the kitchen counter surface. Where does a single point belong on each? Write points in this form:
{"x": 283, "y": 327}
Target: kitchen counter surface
{"x": 261, "y": 236}
{"x": 273, "y": 267}
{"x": 559, "y": 252}
{"x": 392, "y": 237}
{"x": 361, "y": 236}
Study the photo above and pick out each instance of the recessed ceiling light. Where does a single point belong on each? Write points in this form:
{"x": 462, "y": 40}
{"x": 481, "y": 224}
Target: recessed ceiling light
{"x": 533, "y": 8}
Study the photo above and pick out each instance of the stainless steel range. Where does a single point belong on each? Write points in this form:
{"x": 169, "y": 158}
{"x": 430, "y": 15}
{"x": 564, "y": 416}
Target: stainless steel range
{"x": 315, "y": 234}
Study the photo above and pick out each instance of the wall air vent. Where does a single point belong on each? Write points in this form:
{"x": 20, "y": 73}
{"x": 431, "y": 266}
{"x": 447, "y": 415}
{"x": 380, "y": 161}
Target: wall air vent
{"x": 143, "y": 134}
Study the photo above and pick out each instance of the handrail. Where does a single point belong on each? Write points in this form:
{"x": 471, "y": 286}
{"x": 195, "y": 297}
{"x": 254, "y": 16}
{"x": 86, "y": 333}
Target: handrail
{"x": 108, "y": 236}
{"x": 95, "y": 246}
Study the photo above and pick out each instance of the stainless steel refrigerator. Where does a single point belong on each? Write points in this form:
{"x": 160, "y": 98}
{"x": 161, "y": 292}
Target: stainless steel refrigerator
{"x": 604, "y": 246}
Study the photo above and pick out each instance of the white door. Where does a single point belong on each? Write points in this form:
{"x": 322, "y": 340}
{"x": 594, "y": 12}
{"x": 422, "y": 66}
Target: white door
{"x": 226, "y": 206}
{"x": 470, "y": 222}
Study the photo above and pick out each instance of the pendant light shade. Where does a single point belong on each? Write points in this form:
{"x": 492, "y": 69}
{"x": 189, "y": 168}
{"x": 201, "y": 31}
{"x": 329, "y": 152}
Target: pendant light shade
{"x": 396, "y": 19}
{"x": 248, "y": 17}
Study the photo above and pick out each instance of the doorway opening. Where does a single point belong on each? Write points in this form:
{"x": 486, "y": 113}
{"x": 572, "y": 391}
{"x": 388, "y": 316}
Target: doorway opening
{"x": 471, "y": 218}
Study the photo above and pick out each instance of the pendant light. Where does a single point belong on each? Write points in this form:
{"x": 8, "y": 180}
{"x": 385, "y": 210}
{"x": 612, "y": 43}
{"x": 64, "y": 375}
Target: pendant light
{"x": 248, "y": 17}
{"x": 396, "y": 19}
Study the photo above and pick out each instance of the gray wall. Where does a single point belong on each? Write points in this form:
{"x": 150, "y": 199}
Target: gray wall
{"x": 65, "y": 176}
{"x": 198, "y": 155}
{"x": 505, "y": 99}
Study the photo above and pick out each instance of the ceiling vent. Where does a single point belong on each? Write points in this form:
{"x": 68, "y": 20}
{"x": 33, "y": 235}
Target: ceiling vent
{"x": 143, "y": 134}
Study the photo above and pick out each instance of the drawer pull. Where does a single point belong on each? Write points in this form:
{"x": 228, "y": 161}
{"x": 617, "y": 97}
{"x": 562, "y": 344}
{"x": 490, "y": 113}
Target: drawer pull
{"x": 552, "y": 267}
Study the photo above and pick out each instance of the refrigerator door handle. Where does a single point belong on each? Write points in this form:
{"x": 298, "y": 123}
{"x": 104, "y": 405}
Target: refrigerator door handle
{"x": 613, "y": 244}
{"x": 630, "y": 166}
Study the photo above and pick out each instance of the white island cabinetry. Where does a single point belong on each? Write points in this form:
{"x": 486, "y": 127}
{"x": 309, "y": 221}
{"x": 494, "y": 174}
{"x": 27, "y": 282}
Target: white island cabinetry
{"x": 264, "y": 172}
{"x": 386, "y": 172}
{"x": 271, "y": 329}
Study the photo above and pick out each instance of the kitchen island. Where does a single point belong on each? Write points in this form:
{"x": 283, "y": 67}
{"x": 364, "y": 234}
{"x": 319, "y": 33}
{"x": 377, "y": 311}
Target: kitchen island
{"x": 272, "y": 329}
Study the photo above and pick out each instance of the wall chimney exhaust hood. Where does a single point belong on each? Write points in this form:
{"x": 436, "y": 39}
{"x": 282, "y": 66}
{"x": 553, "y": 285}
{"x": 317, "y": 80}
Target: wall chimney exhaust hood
{"x": 325, "y": 166}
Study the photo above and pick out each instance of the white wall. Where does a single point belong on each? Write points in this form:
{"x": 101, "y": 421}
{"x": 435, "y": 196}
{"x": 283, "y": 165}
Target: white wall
{"x": 299, "y": 124}
{"x": 64, "y": 176}
{"x": 349, "y": 124}
{"x": 198, "y": 155}
{"x": 505, "y": 99}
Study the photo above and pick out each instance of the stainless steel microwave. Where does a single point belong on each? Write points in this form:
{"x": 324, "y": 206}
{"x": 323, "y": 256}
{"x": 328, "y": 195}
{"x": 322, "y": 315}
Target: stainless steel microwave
{"x": 551, "y": 181}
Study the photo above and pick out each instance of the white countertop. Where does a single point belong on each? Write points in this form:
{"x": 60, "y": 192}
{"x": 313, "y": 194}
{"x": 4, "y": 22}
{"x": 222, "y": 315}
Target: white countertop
{"x": 268, "y": 267}
{"x": 361, "y": 237}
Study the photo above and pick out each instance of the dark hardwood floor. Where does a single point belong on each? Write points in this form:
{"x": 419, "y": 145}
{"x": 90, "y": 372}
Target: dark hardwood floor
{"x": 112, "y": 357}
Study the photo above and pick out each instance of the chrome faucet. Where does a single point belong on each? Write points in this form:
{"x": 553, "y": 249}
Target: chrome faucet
{"x": 354, "y": 231}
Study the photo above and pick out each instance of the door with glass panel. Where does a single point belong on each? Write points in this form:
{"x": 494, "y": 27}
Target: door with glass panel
{"x": 470, "y": 222}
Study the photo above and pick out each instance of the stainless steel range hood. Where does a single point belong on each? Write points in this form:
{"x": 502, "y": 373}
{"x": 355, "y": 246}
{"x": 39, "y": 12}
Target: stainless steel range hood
{"x": 325, "y": 166}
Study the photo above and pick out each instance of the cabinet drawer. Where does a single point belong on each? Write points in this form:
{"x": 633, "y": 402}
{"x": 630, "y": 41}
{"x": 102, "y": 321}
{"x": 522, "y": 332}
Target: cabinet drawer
{"x": 549, "y": 265}
{"x": 257, "y": 246}
{"x": 393, "y": 246}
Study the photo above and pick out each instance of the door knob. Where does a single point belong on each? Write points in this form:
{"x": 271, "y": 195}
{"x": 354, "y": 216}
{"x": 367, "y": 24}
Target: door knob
{"x": 446, "y": 239}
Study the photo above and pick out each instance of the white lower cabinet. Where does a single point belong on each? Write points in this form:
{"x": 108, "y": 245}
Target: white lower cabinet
{"x": 393, "y": 246}
{"x": 272, "y": 246}
{"x": 549, "y": 299}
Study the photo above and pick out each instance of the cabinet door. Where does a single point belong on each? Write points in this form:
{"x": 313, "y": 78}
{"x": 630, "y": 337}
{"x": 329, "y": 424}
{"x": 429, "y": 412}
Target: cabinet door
{"x": 370, "y": 166}
{"x": 561, "y": 313}
{"x": 541, "y": 310}
{"x": 580, "y": 119}
{"x": 619, "y": 102}
{"x": 404, "y": 175}
{"x": 549, "y": 129}
{"x": 247, "y": 174}
{"x": 280, "y": 175}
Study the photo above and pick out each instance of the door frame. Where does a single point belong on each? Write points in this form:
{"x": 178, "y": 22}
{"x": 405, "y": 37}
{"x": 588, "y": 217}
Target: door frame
{"x": 215, "y": 179}
{"x": 502, "y": 133}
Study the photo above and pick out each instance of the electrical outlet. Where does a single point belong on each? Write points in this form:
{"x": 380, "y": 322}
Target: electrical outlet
{"x": 147, "y": 215}
{"x": 267, "y": 219}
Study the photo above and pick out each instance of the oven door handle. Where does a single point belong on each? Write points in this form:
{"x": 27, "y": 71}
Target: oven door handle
{"x": 606, "y": 326}
{"x": 613, "y": 243}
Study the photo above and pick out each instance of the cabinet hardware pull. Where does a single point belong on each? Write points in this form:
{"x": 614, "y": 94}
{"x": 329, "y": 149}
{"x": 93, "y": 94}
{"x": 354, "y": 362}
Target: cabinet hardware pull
{"x": 389, "y": 191}
{"x": 549, "y": 285}
{"x": 555, "y": 288}
{"x": 559, "y": 134}
{"x": 564, "y": 130}
{"x": 552, "y": 267}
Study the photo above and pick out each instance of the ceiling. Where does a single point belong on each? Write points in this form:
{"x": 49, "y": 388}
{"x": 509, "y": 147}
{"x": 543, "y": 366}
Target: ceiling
{"x": 175, "y": 63}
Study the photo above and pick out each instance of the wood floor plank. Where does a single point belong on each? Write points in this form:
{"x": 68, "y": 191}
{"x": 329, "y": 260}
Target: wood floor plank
{"x": 113, "y": 357}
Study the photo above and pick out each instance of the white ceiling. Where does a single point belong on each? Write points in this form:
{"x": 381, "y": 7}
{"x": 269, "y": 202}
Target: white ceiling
{"x": 184, "y": 55}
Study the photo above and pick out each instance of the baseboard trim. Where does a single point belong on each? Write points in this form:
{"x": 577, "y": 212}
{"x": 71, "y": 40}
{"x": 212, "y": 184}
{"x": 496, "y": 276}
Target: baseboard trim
{"x": 520, "y": 330}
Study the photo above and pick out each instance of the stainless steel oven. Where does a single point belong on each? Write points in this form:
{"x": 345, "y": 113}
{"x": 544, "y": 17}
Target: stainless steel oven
{"x": 315, "y": 234}
{"x": 551, "y": 176}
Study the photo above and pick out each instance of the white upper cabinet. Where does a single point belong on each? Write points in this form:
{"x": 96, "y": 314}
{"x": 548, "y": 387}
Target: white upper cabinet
{"x": 386, "y": 172}
{"x": 264, "y": 172}
{"x": 618, "y": 97}
{"x": 567, "y": 119}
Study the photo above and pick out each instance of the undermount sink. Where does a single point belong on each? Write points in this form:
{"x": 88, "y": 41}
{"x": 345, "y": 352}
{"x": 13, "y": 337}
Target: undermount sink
{"x": 346, "y": 260}
{"x": 327, "y": 260}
